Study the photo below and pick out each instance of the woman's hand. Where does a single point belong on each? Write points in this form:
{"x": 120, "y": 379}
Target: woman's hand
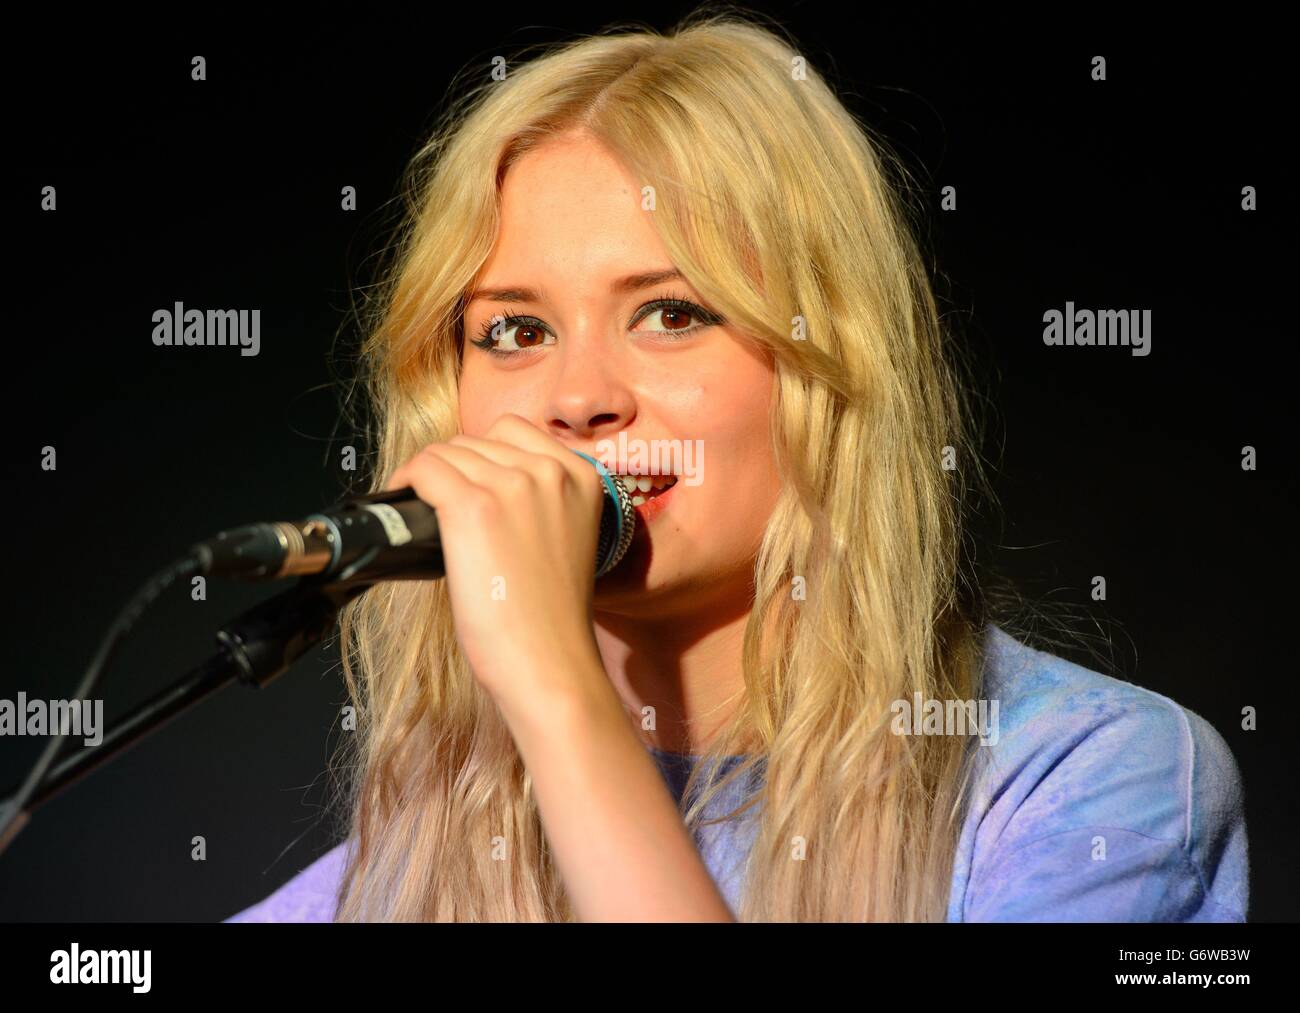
{"x": 519, "y": 514}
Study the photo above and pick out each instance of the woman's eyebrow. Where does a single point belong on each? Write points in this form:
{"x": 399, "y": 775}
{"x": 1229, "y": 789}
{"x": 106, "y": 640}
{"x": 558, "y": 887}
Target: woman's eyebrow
{"x": 629, "y": 283}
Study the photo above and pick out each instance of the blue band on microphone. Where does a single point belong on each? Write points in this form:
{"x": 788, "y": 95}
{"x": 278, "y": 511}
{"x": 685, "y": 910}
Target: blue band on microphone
{"x": 613, "y": 494}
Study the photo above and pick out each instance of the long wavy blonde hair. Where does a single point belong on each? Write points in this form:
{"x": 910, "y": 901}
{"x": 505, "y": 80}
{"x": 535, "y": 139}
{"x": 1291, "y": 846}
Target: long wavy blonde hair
{"x": 777, "y": 205}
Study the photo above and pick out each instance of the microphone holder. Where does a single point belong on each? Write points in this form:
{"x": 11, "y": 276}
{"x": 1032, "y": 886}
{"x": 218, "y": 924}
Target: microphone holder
{"x": 253, "y": 648}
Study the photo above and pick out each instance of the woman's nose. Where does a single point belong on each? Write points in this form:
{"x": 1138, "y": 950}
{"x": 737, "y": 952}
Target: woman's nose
{"x": 588, "y": 397}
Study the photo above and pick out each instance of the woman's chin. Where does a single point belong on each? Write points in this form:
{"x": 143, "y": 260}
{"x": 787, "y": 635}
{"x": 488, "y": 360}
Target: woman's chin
{"x": 640, "y": 576}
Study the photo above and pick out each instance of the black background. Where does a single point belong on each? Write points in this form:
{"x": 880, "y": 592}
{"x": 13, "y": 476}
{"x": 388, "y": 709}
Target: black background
{"x": 1122, "y": 194}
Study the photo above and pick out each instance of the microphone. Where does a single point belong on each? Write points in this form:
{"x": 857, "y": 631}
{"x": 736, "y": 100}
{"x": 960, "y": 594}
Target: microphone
{"x": 391, "y": 535}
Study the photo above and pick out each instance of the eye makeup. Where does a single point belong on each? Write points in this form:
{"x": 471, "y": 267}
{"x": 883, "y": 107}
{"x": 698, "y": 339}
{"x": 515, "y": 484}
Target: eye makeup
{"x": 496, "y": 327}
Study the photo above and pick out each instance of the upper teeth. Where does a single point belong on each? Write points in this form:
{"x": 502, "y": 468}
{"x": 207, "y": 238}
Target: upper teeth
{"x": 644, "y": 483}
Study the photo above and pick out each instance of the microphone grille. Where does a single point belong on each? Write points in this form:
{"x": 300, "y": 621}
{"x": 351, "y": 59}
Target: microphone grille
{"x": 617, "y": 526}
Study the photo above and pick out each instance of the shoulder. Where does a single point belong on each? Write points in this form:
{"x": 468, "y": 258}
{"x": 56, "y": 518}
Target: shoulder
{"x": 307, "y": 897}
{"x": 1097, "y": 800}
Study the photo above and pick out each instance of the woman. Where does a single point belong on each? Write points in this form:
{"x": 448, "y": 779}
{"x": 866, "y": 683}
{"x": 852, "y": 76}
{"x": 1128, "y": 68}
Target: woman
{"x": 687, "y": 242}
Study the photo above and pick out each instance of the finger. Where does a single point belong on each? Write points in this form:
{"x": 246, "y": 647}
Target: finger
{"x": 502, "y": 468}
{"x": 518, "y": 431}
{"x": 427, "y": 472}
{"x": 543, "y": 467}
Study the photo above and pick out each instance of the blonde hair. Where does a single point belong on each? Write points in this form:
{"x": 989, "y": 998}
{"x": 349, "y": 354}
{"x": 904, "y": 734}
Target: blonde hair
{"x": 775, "y": 202}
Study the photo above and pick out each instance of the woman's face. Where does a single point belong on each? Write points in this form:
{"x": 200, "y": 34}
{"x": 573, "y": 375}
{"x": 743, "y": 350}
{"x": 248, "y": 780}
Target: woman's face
{"x": 604, "y": 371}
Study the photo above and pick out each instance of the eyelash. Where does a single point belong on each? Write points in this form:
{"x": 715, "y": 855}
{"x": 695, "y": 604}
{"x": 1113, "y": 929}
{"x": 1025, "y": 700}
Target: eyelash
{"x": 673, "y": 302}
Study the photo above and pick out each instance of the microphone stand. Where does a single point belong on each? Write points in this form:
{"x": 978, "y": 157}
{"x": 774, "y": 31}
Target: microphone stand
{"x": 261, "y": 644}
{"x": 253, "y": 648}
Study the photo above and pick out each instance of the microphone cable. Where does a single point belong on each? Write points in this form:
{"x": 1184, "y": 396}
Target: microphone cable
{"x": 14, "y": 807}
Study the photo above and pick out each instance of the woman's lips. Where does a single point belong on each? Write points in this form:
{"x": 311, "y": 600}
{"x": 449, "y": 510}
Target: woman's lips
{"x": 656, "y": 501}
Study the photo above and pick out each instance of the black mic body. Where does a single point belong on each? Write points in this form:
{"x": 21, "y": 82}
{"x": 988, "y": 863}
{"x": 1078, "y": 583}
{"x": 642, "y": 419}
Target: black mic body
{"x": 390, "y": 535}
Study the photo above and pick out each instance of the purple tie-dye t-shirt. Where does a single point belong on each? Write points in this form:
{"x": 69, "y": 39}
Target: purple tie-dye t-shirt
{"x": 1094, "y": 800}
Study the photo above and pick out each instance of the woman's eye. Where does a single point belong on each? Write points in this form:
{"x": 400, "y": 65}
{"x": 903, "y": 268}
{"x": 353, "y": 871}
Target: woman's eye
{"x": 677, "y": 316}
{"x": 510, "y": 334}
{"x": 671, "y": 318}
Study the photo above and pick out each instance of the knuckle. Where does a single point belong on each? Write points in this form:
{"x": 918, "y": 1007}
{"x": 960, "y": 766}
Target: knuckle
{"x": 517, "y": 481}
{"x": 508, "y": 423}
{"x": 428, "y": 457}
{"x": 552, "y": 471}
